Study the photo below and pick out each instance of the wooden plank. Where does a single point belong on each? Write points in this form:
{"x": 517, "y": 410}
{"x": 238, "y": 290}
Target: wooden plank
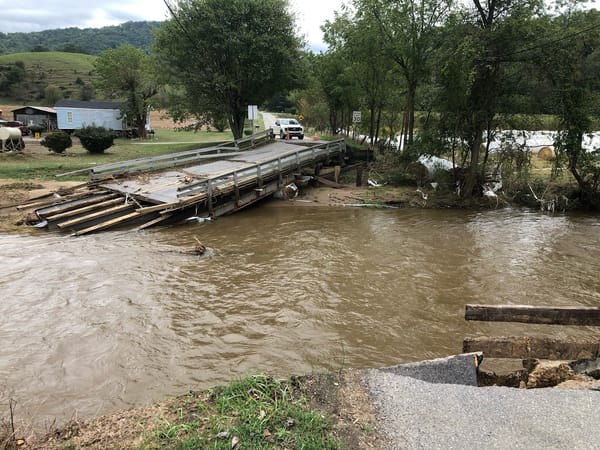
{"x": 524, "y": 347}
{"x": 550, "y": 315}
{"x": 154, "y": 222}
{"x": 95, "y": 215}
{"x": 108, "y": 224}
{"x": 75, "y": 212}
{"x": 74, "y": 204}
{"x": 329, "y": 183}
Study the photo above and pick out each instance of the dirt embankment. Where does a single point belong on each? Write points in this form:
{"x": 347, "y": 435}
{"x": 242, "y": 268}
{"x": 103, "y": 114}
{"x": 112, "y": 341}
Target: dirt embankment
{"x": 15, "y": 192}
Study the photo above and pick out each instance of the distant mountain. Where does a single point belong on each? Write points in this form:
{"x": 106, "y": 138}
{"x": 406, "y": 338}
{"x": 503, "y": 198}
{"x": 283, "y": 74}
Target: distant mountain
{"x": 80, "y": 40}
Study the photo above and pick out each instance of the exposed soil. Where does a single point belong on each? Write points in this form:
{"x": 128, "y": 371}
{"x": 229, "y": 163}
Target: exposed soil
{"x": 14, "y": 192}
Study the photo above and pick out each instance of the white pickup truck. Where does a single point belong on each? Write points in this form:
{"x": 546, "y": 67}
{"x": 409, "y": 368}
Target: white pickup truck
{"x": 289, "y": 127}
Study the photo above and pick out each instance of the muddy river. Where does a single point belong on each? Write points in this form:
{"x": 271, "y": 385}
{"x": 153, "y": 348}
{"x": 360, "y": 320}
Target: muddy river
{"x": 92, "y": 324}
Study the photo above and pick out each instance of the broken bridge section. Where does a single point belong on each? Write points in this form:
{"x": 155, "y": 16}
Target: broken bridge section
{"x": 201, "y": 184}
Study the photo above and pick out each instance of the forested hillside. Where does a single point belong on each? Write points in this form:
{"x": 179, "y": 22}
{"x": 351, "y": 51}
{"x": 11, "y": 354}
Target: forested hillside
{"x": 77, "y": 40}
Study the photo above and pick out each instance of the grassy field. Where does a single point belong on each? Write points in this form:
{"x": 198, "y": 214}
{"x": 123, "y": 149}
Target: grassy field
{"x": 43, "y": 69}
{"x": 37, "y": 163}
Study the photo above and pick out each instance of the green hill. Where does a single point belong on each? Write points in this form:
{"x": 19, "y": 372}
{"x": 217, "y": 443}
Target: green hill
{"x": 26, "y": 76}
{"x": 83, "y": 40}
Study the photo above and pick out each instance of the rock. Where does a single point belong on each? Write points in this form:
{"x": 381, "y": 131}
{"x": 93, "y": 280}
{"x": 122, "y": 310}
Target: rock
{"x": 589, "y": 367}
{"x": 547, "y": 373}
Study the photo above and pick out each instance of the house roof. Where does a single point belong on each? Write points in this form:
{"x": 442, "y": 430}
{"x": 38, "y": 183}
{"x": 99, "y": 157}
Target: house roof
{"x": 87, "y": 105}
{"x": 38, "y": 108}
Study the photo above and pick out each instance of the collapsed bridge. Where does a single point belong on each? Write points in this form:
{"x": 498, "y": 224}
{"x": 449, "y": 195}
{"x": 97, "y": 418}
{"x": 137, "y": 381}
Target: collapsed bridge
{"x": 202, "y": 183}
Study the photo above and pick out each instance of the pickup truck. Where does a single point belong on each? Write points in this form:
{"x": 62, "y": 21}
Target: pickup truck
{"x": 289, "y": 127}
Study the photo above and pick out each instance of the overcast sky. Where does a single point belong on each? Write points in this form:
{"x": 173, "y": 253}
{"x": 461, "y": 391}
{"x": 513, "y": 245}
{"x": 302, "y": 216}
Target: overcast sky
{"x": 22, "y": 16}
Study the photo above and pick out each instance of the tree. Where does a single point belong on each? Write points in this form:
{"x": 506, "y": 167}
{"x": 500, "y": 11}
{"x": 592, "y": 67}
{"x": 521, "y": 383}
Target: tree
{"x": 408, "y": 31}
{"x": 482, "y": 43}
{"x": 127, "y": 73}
{"x": 227, "y": 54}
{"x": 361, "y": 41}
{"x": 52, "y": 94}
{"x": 570, "y": 63}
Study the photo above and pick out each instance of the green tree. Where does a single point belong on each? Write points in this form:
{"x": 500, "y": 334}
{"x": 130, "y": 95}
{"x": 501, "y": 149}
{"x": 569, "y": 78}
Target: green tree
{"x": 227, "y": 54}
{"x": 569, "y": 65}
{"x": 127, "y": 73}
{"x": 480, "y": 45}
{"x": 360, "y": 40}
{"x": 52, "y": 94}
{"x": 408, "y": 29}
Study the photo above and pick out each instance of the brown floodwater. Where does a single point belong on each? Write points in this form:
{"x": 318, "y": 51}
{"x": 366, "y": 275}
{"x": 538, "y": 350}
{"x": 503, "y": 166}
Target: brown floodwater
{"x": 92, "y": 324}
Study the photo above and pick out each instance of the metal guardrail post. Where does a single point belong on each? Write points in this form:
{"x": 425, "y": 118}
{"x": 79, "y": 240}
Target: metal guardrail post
{"x": 259, "y": 176}
{"x": 279, "y": 170}
{"x": 237, "y": 188}
{"x": 209, "y": 197}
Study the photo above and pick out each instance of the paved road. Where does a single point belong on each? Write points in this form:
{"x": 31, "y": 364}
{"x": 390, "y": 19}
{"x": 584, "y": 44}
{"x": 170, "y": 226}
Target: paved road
{"x": 417, "y": 414}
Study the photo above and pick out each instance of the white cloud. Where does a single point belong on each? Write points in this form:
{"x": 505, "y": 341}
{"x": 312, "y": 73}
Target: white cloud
{"x": 51, "y": 14}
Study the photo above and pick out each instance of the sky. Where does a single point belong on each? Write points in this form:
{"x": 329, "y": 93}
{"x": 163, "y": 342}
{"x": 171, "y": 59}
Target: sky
{"x": 19, "y": 16}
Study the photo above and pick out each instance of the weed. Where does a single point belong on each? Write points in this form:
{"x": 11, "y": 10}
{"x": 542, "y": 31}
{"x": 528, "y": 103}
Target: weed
{"x": 257, "y": 412}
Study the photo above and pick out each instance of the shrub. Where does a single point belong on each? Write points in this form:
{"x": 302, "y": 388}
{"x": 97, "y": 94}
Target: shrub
{"x": 57, "y": 142}
{"x": 96, "y": 139}
{"x": 37, "y": 128}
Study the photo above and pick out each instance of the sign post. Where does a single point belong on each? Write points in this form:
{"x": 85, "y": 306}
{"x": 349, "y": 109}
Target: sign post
{"x": 355, "y": 119}
{"x": 252, "y": 115}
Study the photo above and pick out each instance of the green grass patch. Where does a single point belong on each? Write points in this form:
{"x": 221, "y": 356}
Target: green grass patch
{"x": 257, "y": 412}
{"x": 36, "y": 163}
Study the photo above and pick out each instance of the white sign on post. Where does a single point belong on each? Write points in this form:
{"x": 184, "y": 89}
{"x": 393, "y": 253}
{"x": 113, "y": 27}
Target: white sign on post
{"x": 252, "y": 112}
{"x": 356, "y": 116}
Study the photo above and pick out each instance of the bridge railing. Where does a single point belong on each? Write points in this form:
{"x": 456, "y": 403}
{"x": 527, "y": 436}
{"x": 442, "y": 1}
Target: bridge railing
{"x": 255, "y": 173}
{"x": 230, "y": 148}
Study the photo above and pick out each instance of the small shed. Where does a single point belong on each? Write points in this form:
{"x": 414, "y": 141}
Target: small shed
{"x": 75, "y": 114}
{"x": 36, "y": 115}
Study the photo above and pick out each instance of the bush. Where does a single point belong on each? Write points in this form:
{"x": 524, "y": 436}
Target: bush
{"x": 96, "y": 139}
{"x": 57, "y": 142}
{"x": 37, "y": 128}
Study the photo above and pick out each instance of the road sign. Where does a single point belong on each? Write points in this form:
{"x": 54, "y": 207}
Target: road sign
{"x": 300, "y": 117}
{"x": 356, "y": 116}
{"x": 252, "y": 112}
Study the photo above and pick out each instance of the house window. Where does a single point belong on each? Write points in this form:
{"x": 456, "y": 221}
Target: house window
{"x": 69, "y": 116}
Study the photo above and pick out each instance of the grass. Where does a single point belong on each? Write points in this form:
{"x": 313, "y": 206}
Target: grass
{"x": 36, "y": 163}
{"x": 43, "y": 69}
{"x": 257, "y": 412}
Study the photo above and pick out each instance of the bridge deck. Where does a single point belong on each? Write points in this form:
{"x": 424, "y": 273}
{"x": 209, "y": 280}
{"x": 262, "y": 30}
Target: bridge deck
{"x": 162, "y": 189}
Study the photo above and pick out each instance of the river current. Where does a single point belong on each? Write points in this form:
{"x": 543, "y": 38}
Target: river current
{"x": 97, "y": 323}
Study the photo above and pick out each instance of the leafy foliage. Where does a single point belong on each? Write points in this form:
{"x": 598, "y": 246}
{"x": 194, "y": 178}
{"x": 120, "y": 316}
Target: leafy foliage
{"x": 57, "y": 141}
{"x": 96, "y": 139}
{"x": 223, "y": 55}
{"x": 87, "y": 40}
{"x": 126, "y": 72}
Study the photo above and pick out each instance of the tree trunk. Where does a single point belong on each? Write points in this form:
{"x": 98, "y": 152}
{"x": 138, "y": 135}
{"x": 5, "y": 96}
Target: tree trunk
{"x": 472, "y": 173}
{"x": 410, "y": 109}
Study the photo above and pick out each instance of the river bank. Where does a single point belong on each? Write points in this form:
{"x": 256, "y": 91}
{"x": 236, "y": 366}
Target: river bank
{"x": 14, "y": 192}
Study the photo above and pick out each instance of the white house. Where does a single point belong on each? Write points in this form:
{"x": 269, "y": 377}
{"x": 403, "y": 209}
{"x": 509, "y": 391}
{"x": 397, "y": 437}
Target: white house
{"x": 75, "y": 114}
